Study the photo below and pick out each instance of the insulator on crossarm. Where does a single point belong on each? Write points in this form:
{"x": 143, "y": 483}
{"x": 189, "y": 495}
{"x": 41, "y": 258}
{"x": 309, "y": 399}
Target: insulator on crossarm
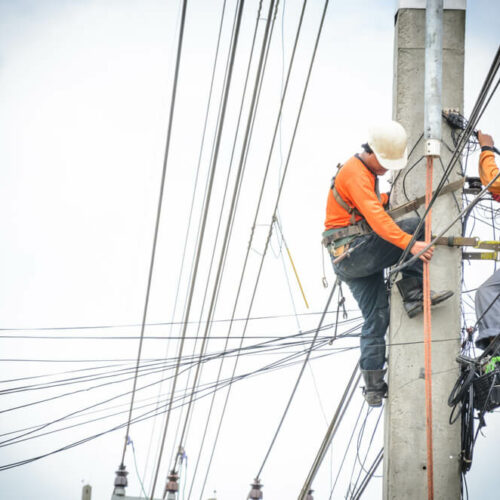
{"x": 172, "y": 486}
{"x": 120, "y": 481}
{"x": 256, "y": 491}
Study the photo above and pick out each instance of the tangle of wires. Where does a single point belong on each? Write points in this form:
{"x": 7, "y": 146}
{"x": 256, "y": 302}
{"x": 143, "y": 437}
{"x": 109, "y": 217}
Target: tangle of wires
{"x": 476, "y": 391}
{"x": 458, "y": 123}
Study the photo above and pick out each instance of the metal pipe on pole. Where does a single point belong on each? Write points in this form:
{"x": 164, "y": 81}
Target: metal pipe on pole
{"x": 433, "y": 82}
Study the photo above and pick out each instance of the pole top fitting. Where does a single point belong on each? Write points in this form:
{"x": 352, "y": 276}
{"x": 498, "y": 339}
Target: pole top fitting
{"x": 120, "y": 481}
{"x": 172, "y": 485}
{"x": 255, "y": 492}
{"x": 432, "y": 147}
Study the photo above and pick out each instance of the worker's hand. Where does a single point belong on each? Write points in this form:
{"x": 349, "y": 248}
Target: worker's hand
{"x": 484, "y": 139}
{"x": 418, "y": 246}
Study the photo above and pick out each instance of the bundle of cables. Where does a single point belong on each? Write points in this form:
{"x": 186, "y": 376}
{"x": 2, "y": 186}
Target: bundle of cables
{"x": 477, "y": 388}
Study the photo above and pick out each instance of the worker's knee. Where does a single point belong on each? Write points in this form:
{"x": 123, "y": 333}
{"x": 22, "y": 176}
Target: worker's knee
{"x": 410, "y": 225}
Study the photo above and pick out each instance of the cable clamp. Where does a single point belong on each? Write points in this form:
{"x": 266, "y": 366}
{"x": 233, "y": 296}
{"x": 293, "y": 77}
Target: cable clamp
{"x": 432, "y": 147}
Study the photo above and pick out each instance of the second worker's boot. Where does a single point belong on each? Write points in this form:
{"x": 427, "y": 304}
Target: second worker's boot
{"x": 375, "y": 388}
{"x": 413, "y": 296}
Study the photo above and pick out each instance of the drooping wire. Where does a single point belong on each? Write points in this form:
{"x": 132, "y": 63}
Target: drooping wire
{"x": 145, "y": 416}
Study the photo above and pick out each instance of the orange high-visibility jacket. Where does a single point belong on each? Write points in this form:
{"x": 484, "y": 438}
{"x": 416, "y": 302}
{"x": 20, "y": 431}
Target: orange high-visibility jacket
{"x": 488, "y": 170}
{"x": 355, "y": 184}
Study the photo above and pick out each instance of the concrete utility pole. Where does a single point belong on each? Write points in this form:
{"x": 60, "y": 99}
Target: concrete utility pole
{"x": 405, "y": 455}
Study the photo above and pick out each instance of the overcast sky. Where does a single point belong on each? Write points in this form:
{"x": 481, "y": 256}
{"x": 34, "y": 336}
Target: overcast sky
{"x": 85, "y": 90}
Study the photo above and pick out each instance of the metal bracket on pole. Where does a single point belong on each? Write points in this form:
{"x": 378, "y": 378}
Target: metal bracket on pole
{"x": 432, "y": 147}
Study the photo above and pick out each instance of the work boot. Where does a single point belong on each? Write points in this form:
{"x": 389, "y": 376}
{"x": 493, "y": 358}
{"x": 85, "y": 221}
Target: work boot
{"x": 413, "y": 295}
{"x": 375, "y": 388}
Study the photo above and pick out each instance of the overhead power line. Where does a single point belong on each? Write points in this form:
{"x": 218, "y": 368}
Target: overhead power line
{"x": 237, "y": 184}
{"x": 158, "y": 216}
{"x": 200, "y": 242}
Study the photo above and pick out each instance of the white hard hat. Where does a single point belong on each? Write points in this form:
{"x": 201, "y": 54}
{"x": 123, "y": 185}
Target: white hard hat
{"x": 388, "y": 141}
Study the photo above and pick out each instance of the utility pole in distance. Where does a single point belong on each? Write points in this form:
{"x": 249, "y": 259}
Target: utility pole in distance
{"x": 405, "y": 450}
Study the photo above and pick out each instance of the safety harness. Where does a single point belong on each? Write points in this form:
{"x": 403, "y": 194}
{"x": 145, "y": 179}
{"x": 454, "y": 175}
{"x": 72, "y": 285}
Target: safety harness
{"x": 331, "y": 236}
{"x": 354, "y": 228}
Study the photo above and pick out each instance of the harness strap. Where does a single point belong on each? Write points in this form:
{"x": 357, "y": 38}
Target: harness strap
{"x": 352, "y": 211}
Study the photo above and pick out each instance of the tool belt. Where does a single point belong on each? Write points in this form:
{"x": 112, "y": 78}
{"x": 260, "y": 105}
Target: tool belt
{"x": 333, "y": 235}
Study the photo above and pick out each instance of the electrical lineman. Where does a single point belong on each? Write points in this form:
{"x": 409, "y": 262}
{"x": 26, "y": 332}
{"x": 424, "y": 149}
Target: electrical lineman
{"x": 356, "y": 218}
{"x": 487, "y": 295}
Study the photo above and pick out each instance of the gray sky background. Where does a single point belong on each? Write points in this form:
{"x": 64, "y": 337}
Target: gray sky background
{"x": 84, "y": 97}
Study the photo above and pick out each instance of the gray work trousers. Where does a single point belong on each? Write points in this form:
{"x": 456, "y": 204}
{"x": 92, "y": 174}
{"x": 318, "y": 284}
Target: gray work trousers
{"x": 488, "y": 299}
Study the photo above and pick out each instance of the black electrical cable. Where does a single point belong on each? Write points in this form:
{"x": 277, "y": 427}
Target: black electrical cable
{"x": 284, "y": 93}
{"x": 360, "y": 435}
{"x": 347, "y": 449}
{"x": 370, "y": 474}
{"x": 136, "y": 419}
{"x": 272, "y": 364}
{"x": 332, "y": 429}
{"x": 220, "y": 218}
{"x": 21, "y": 438}
{"x": 356, "y": 490}
{"x": 205, "y": 214}
{"x": 277, "y": 198}
{"x": 158, "y": 215}
{"x": 210, "y": 357}
{"x": 294, "y": 390}
{"x": 268, "y": 367}
{"x": 393, "y": 182}
{"x": 403, "y": 262}
{"x": 407, "y": 262}
{"x": 253, "y": 108}
{"x": 166, "y": 323}
{"x": 188, "y": 228}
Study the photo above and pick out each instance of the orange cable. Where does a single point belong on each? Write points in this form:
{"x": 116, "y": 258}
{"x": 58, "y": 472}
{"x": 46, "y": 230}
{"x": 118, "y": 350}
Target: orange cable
{"x": 428, "y": 336}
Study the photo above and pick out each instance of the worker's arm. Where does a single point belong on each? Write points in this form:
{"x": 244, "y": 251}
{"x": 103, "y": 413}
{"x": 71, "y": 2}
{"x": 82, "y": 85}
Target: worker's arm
{"x": 487, "y": 166}
{"x": 361, "y": 191}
